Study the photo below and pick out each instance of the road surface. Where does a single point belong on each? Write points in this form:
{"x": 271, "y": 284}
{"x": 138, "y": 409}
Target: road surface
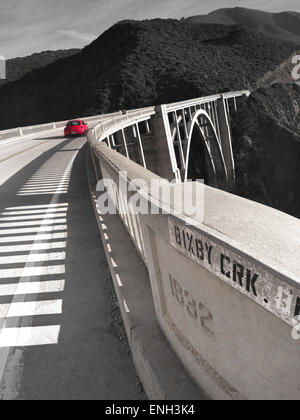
{"x": 60, "y": 332}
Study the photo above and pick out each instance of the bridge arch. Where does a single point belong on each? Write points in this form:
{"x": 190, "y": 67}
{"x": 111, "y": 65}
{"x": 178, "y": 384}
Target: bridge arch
{"x": 204, "y": 157}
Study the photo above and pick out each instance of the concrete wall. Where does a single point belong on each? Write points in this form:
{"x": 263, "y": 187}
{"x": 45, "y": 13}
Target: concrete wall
{"x": 225, "y": 285}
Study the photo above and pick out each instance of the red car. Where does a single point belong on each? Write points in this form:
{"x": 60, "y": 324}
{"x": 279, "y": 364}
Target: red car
{"x": 76, "y": 128}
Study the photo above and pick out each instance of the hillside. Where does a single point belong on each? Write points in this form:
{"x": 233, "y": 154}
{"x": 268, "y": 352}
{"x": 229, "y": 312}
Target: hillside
{"x": 136, "y": 64}
{"x": 18, "y": 67}
{"x": 284, "y": 26}
{"x": 266, "y": 132}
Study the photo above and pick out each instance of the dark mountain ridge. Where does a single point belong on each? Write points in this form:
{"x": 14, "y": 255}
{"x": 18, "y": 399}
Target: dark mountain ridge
{"x": 136, "y": 64}
{"x": 19, "y": 66}
{"x": 266, "y": 132}
{"x": 284, "y": 25}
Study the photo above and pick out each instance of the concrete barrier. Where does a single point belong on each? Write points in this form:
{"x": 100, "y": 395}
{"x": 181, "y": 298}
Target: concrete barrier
{"x": 9, "y": 134}
{"x": 23, "y": 132}
{"x": 226, "y": 293}
{"x": 225, "y": 287}
{"x": 150, "y": 350}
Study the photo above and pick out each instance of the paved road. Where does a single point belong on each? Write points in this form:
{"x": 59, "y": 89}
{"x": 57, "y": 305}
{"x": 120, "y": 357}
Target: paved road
{"x": 60, "y": 332}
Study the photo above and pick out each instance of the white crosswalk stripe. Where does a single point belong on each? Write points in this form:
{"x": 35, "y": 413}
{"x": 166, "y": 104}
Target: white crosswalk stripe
{"x": 33, "y": 230}
{"x": 41, "y": 211}
{"x": 46, "y": 307}
{"x": 42, "y": 193}
{"x": 18, "y": 259}
{"x": 32, "y": 271}
{"x": 44, "y": 206}
{"x": 29, "y": 336}
{"x": 32, "y": 288}
{"x": 33, "y": 217}
{"x": 33, "y": 241}
{"x": 44, "y": 222}
{"x": 32, "y": 238}
{"x": 32, "y": 247}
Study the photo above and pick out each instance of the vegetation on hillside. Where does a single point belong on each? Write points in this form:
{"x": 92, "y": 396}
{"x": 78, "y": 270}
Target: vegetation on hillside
{"x": 266, "y": 132}
{"x": 136, "y": 64}
{"x": 18, "y": 67}
{"x": 284, "y": 25}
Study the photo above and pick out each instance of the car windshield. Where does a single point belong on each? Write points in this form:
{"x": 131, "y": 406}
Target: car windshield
{"x": 73, "y": 123}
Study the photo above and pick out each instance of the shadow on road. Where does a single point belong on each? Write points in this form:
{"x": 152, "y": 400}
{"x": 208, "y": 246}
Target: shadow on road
{"x": 71, "y": 349}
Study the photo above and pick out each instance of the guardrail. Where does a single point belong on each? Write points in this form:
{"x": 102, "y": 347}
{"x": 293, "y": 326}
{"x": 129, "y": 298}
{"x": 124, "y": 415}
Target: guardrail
{"x": 8, "y": 134}
{"x": 114, "y": 121}
{"x": 206, "y": 99}
{"x": 25, "y": 131}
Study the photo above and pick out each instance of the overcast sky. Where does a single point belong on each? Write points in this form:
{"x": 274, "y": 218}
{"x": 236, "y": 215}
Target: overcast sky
{"x": 28, "y": 26}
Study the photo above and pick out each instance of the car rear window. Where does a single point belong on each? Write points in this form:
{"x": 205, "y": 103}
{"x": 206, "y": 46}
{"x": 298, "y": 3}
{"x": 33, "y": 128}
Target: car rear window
{"x": 72, "y": 123}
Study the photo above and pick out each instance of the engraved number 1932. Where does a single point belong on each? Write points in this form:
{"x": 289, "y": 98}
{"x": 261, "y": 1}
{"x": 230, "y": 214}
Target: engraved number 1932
{"x": 196, "y": 310}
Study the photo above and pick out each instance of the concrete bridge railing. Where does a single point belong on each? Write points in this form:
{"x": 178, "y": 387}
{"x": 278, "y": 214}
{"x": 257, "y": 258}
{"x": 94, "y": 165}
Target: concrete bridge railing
{"x": 224, "y": 274}
{"x": 21, "y": 132}
{"x": 16, "y": 133}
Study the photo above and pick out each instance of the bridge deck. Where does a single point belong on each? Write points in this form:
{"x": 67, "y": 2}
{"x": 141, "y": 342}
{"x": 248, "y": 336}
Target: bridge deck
{"x": 60, "y": 336}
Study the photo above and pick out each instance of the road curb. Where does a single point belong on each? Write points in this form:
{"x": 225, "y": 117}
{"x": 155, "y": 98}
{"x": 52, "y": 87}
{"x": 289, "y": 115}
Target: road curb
{"x": 160, "y": 371}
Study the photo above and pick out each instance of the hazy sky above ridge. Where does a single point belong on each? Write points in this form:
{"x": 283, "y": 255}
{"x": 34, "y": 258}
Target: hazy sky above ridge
{"x": 28, "y": 26}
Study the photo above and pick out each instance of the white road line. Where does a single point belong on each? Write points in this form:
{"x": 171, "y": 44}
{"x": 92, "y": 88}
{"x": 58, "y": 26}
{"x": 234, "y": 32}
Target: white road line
{"x": 32, "y": 288}
{"x": 43, "y": 307}
{"x": 18, "y": 259}
{"x": 32, "y": 271}
{"x": 41, "y": 193}
{"x": 41, "y": 172}
{"x": 46, "y": 180}
{"x": 25, "y": 212}
{"x": 31, "y": 238}
{"x": 44, "y": 189}
{"x": 33, "y": 230}
{"x": 29, "y": 336}
{"x": 44, "y": 222}
{"x": 50, "y": 182}
{"x": 44, "y": 206}
{"x": 41, "y": 189}
{"x": 50, "y": 175}
{"x": 34, "y": 247}
{"x": 46, "y": 174}
{"x": 47, "y": 177}
{"x": 34, "y": 217}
